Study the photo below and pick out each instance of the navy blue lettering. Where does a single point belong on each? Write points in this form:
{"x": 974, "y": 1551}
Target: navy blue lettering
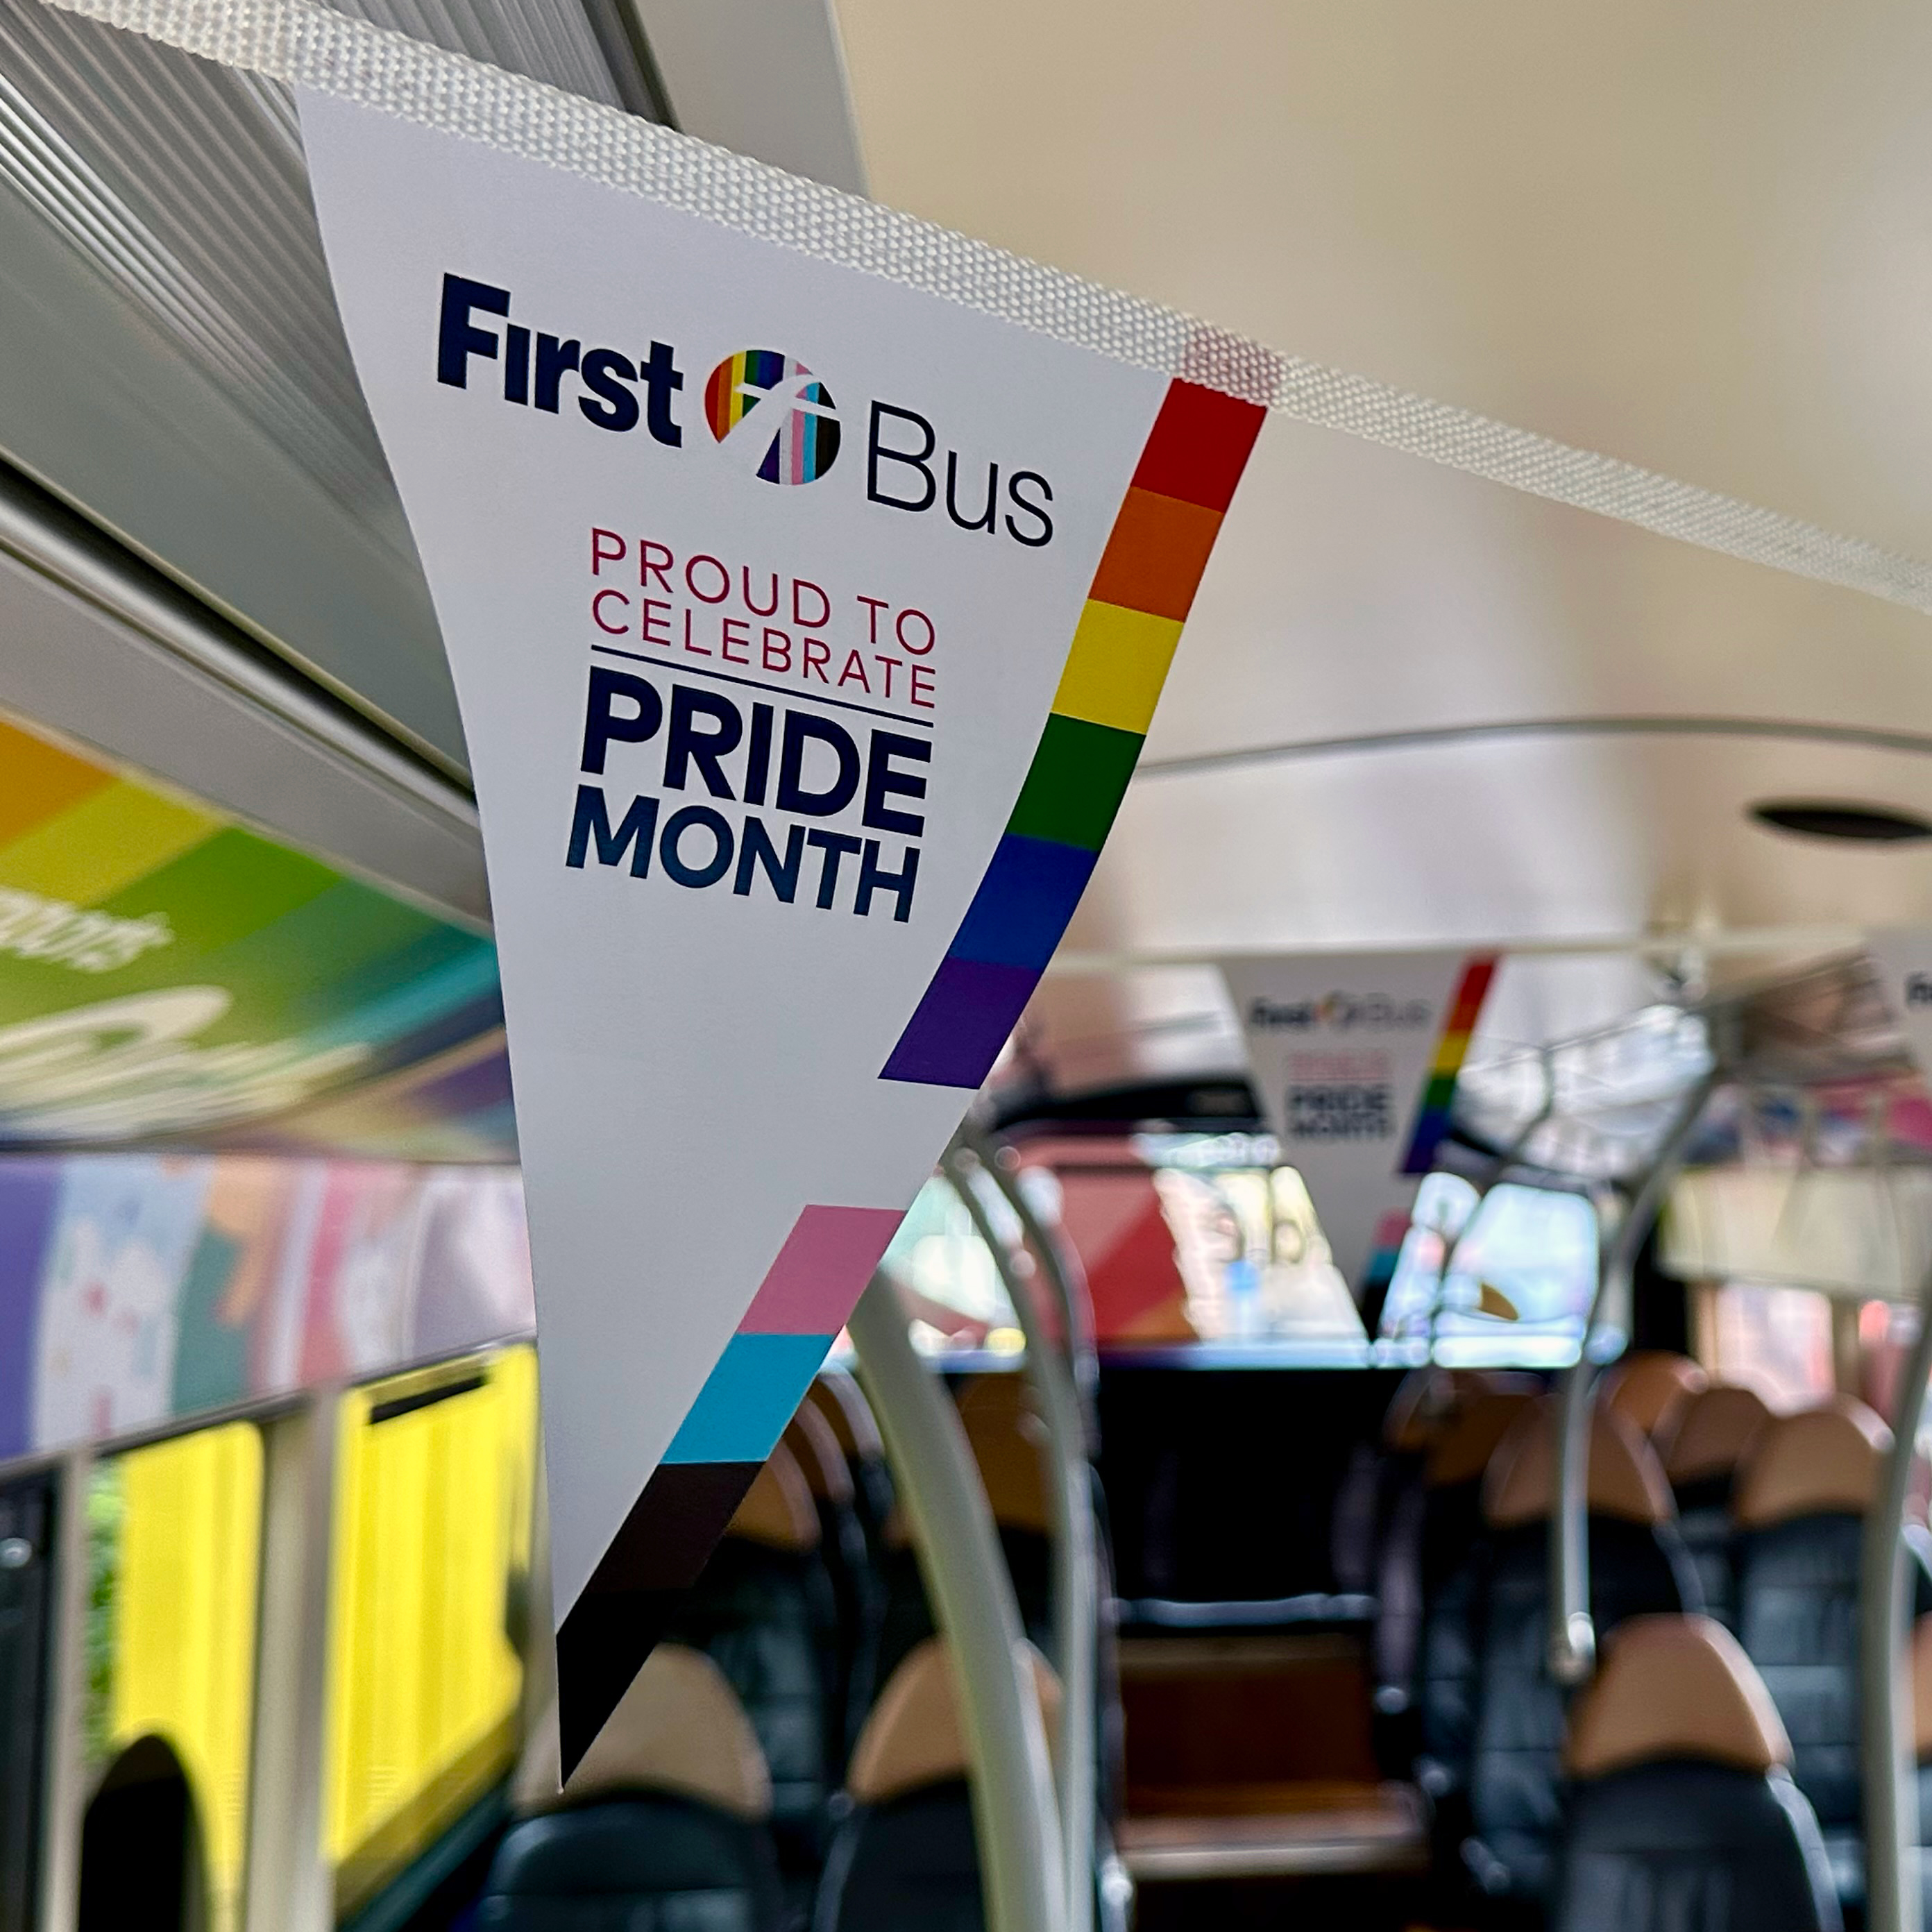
{"x": 686, "y": 745}
{"x": 881, "y": 781}
{"x": 1036, "y": 511}
{"x": 602, "y": 724}
{"x": 911, "y": 459}
{"x": 835, "y": 846}
{"x": 758, "y": 754}
{"x": 680, "y": 822}
{"x": 872, "y": 879}
{"x": 610, "y": 404}
{"x": 662, "y": 377}
{"x": 755, "y": 849}
{"x": 554, "y": 360}
{"x": 802, "y": 728}
{"x": 457, "y": 340}
{"x": 516, "y": 364}
{"x": 592, "y": 819}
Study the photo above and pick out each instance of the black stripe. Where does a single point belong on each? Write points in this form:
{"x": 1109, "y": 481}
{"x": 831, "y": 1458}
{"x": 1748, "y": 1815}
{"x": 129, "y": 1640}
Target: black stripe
{"x": 424, "y": 1398}
{"x": 653, "y": 1559}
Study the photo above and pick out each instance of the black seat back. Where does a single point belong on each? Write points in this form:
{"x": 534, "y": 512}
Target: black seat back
{"x": 1683, "y": 1817}
{"x": 1493, "y": 1718}
{"x": 1800, "y": 1507}
{"x": 904, "y": 1859}
{"x": 1710, "y": 1436}
{"x": 663, "y": 1828}
{"x": 763, "y": 1611}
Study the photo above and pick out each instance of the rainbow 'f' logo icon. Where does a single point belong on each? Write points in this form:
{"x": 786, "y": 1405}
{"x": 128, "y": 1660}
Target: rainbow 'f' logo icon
{"x": 794, "y": 437}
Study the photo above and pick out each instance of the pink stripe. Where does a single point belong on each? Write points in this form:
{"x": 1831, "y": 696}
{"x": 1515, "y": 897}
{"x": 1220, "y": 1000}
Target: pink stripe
{"x": 821, "y": 1270}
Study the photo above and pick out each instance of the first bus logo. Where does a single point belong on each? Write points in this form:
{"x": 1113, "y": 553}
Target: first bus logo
{"x": 770, "y": 410}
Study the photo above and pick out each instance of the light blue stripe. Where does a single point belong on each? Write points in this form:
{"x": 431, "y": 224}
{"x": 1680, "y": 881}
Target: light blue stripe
{"x": 755, "y": 1391}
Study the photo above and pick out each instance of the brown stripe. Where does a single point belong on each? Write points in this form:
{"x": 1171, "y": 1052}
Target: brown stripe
{"x": 653, "y": 1559}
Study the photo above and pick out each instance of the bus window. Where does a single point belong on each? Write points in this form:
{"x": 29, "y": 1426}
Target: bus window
{"x": 430, "y": 1592}
{"x": 1775, "y": 1340}
{"x": 1522, "y": 1267}
{"x": 175, "y": 1541}
{"x": 950, "y": 1278}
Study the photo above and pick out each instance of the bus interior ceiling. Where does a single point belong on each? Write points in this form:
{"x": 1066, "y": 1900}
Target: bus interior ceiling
{"x": 1529, "y": 1582}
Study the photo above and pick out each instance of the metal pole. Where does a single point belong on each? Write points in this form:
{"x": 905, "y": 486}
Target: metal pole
{"x": 1076, "y": 1613}
{"x": 290, "y": 1885}
{"x": 1573, "y": 1636}
{"x": 1892, "y": 1899}
{"x": 1013, "y": 1812}
{"x": 66, "y": 1748}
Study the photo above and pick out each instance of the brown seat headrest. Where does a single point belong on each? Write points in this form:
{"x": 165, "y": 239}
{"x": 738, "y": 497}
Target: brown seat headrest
{"x": 1428, "y": 1402}
{"x": 1712, "y": 1433}
{"x": 1820, "y": 1461}
{"x": 1461, "y": 1452}
{"x": 1644, "y": 1387}
{"x": 842, "y": 1403}
{"x": 1921, "y": 1689}
{"x": 1624, "y": 1478}
{"x": 815, "y": 1449}
{"x": 1009, "y": 1443}
{"x": 778, "y": 1510}
{"x": 1674, "y": 1687}
{"x": 680, "y": 1729}
{"x": 912, "y": 1736}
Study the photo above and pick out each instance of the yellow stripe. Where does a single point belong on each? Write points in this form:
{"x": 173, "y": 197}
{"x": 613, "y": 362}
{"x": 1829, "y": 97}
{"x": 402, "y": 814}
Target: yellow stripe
{"x": 105, "y": 842}
{"x": 1451, "y": 1054}
{"x": 1116, "y": 666}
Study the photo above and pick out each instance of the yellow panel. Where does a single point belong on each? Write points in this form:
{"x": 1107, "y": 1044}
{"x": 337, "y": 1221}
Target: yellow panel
{"x": 433, "y": 1525}
{"x": 184, "y": 1627}
{"x": 1116, "y": 666}
{"x": 106, "y": 842}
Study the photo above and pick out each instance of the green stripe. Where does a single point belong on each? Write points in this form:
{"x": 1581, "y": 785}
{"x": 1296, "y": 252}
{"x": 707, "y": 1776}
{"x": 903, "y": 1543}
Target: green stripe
{"x": 1078, "y": 778}
{"x": 226, "y": 888}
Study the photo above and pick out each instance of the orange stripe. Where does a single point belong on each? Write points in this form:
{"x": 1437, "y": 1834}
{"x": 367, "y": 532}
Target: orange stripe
{"x": 39, "y": 781}
{"x": 1154, "y": 559}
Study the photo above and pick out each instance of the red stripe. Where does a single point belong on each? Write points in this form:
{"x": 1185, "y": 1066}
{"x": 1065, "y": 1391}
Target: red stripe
{"x": 1199, "y": 444}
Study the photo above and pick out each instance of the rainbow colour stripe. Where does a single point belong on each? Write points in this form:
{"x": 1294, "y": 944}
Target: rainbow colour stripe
{"x": 804, "y": 441}
{"x": 1439, "y": 1090}
{"x": 1124, "y": 642}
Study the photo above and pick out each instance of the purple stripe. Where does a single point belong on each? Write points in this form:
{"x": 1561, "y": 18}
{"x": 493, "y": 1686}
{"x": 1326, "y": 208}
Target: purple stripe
{"x": 962, "y": 1023}
{"x": 28, "y": 1191}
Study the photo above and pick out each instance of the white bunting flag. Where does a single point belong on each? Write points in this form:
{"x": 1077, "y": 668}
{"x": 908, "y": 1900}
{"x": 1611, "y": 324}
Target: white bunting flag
{"x": 1355, "y": 1058}
{"x": 805, "y": 628}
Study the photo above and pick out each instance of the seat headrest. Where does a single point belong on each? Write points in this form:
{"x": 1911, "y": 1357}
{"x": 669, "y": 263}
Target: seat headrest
{"x": 1921, "y": 1689}
{"x": 680, "y": 1729}
{"x": 1644, "y": 1387}
{"x": 777, "y": 1511}
{"x": 842, "y": 1403}
{"x": 912, "y": 1736}
{"x": 1624, "y": 1478}
{"x": 1712, "y": 1433}
{"x": 1820, "y": 1461}
{"x": 821, "y": 1461}
{"x": 1009, "y": 1443}
{"x": 1461, "y": 1452}
{"x": 1674, "y": 1687}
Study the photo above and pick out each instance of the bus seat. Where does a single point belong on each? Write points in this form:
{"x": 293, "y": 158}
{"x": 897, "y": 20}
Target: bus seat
{"x": 1008, "y": 1441}
{"x": 1442, "y": 1427}
{"x": 1683, "y": 1817}
{"x": 1703, "y": 1447}
{"x": 664, "y": 1822}
{"x": 763, "y": 1611}
{"x": 848, "y": 1561}
{"x": 905, "y": 1856}
{"x": 1646, "y": 1387}
{"x": 1800, "y": 1505}
{"x": 1493, "y": 1718}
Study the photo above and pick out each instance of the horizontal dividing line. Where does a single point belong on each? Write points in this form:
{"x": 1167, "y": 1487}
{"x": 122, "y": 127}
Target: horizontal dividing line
{"x": 753, "y": 684}
{"x": 1868, "y": 737}
{"x": 408, "y": 1404}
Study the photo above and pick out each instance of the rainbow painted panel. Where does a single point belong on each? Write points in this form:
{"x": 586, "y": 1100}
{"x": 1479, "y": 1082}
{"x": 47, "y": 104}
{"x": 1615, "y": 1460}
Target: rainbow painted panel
{"x": 1125, "y": 641}
{"x": 197, "y": 977}
{"x": 1438, "y": 1092}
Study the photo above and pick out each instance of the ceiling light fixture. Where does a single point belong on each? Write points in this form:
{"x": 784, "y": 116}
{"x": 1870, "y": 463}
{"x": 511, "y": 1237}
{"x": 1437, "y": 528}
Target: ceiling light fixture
{"x": 1837, "y": 818}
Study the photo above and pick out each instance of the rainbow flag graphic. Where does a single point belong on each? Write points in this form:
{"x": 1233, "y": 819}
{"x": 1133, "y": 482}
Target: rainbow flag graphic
{"x": 804, "y": 435}
{"x": 1439, "y": 1090}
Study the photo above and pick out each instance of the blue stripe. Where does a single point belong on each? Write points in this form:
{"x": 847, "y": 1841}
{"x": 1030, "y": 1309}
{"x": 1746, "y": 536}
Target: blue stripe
{"x": 749, "y": 1396}
{"x": 1023, "y": 903}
